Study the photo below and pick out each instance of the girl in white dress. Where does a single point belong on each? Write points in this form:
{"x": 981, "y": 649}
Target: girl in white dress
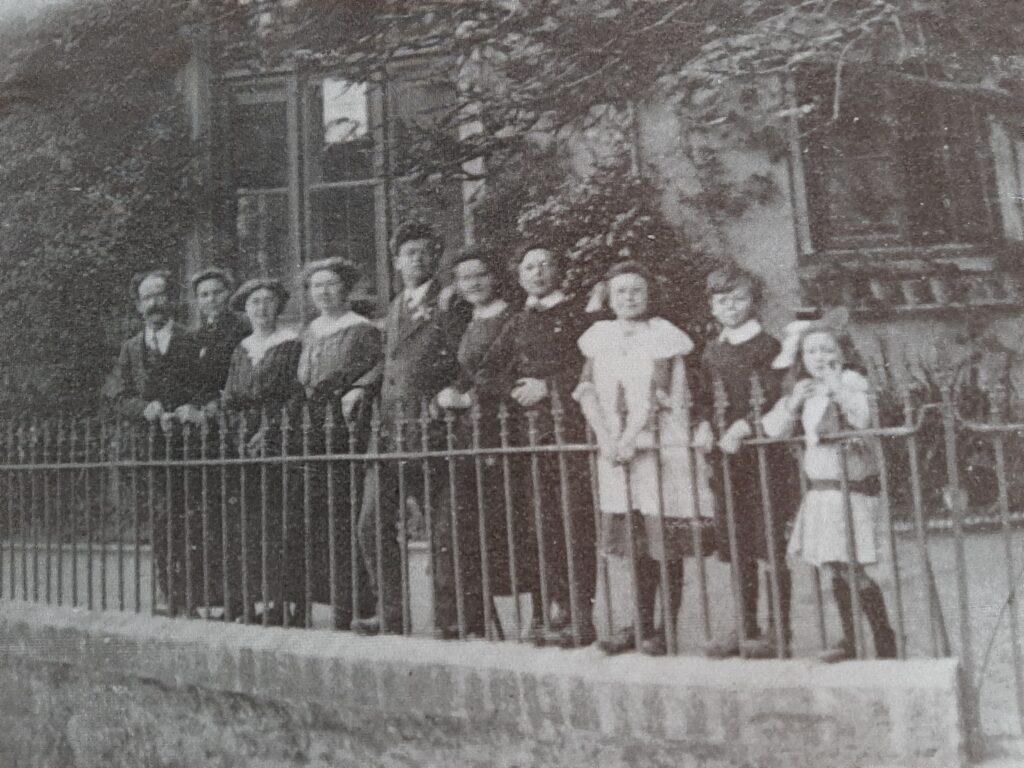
{"x": 631, "y": 390}
{"x": 827, "y": 395}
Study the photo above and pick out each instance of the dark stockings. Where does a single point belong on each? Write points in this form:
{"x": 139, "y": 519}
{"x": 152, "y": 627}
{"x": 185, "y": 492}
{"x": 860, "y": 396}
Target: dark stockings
{"x": 649, "y": 573}
{"x": 872, "y": 605}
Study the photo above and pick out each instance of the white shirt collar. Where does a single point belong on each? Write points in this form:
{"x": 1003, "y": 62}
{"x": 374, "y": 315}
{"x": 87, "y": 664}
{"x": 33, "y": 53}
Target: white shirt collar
{"x": 741, "y": 333}
{"x": 414, "y": 297}
{"x": 257, "y": 348}
{"x": 553, "y": 299}
{"x": 161, "y": 338}
{"x": 493, "y": 309}
{"x": 322, "y": 327}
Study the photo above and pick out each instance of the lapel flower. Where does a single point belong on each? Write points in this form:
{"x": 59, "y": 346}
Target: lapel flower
{"x": 422, "y": 312}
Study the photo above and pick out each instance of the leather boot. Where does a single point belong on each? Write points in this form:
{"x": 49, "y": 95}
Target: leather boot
{"x": 846, "y": 648}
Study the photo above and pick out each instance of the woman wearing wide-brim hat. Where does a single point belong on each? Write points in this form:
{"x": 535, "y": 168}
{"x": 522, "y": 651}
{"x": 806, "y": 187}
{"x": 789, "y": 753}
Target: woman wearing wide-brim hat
{"x": 340, "y": 372}
{"x": 261, "y": 389}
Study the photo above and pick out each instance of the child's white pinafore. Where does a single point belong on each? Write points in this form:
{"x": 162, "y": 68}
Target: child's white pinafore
{"x": 820, "y": 529}
{"x": 626, "y": 363}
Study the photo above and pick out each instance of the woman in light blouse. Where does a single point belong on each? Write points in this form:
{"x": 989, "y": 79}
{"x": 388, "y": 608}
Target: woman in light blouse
{"x": 340, "y": 371}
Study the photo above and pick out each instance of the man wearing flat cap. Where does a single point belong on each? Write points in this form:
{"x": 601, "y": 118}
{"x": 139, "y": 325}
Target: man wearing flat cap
{"x": 153, "y": 377}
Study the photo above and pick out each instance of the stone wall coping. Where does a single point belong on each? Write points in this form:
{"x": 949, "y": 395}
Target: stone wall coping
{"x": 590, "y": 663}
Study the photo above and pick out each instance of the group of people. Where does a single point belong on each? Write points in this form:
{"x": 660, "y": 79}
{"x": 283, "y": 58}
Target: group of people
{"x": 536, "y": 372}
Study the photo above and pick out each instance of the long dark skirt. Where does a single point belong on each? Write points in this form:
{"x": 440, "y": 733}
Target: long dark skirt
{"x": 331, "y": 490}
{"x": 555, "y": 489}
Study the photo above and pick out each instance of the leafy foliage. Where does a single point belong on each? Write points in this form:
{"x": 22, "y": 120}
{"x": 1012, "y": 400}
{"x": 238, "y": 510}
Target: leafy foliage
{"x": 94, "y": 186}
{"x": 96, "y": 180}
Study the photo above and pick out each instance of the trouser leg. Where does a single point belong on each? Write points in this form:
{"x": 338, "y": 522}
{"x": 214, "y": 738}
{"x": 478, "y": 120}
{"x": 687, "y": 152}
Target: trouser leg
{"x": 384, "y": 574}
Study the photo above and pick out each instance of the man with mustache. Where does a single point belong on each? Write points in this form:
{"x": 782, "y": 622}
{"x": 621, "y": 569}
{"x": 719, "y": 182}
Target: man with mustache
{"x": 155, "y": 375}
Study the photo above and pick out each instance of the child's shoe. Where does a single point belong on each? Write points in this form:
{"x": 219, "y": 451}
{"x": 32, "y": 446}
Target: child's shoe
{"x": 841, "y": 651}
{"x": 760, "y": 647}
{"x": 723, "y": 647}
{"x": 654, "y": 645}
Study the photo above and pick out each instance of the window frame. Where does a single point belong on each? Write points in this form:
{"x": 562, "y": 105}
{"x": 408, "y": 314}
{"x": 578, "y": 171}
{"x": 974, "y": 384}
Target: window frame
{"x": 802, "y": 189}
{"x": 296, "y": 88}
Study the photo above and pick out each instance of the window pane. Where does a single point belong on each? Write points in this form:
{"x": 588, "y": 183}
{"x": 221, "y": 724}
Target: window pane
{"x": 340, "y": 140}
{"x": 259, "y": 144}
{"x": 855, "y": 181}
{"x": 862, "y": 204}
{"x": 344, "y": 224}
{"x": 907, "y": 167}
{"x": 262, "y": 228}
{"x": 944, "y": 157}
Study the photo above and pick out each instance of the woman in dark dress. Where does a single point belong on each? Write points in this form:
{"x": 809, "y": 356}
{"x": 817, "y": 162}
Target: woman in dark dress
{"x": 261, "y": 388}
{"x": 478, "y": 279}
{"x": 340, "y": 372}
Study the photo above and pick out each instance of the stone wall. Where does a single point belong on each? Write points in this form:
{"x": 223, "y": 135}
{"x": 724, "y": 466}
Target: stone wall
{"x": 116, "y": 690}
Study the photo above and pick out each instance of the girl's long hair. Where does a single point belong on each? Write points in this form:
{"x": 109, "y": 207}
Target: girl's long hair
{"x": 851, "y": 358}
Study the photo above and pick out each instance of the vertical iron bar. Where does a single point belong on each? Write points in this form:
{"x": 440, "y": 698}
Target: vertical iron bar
{"x": 378, "y": 543}
{"x": 998, "y": 440}
{"x": 264, "y": 538}
{"x": 403, "y": 533}
{"x": 307, "y": 510}
{"x": 557, "y": 415}
{"x": 172, "y": 602}
{"x": 481, "y": 516}
{"x": 668, "y": 621}
{"x": 332, "y": 518}
{"x": 853, "y": 567}
{"x": 602, "y": 562}
{"x": 819, "y": 602}
{"x": 631, "y": 544}
{"x": 920, "y": 525}
{"x": 884, "y": 498}
{"x": 47, "y": 510}
{"x": 280, "y": 588}
{"x": 503, "y": 439}
{"x": 757, "y": 402}
{"x": 133, "y": 450}
{"x": 23, "y": 459}
{"x": 686, "y": 400}
{"x": 102, "y": 456}
{"x": 11, "y": 495}
{"x": 538, "y": 518}
{"x": 225, "y": 534}
{"x": 34, "y": 503}
{"x": 187, "y": 514}
{"x": 958, "y": 501}
{"x": 352, "y": 422}
{"x": 118, "y": 512}
{"x": 72, "y": 457}
{"x": 375, "y": 432}
{"x": 721, "y": 404}
{"x": 243, "y": 517}
{"x": 87, "y": 443}
{"x": 153, "y": 532}
{"x": 428, "y": 510}
{"x": 59, "y": 508}
{"x": 204, "y": 494}
{"x": 460, "y": 597}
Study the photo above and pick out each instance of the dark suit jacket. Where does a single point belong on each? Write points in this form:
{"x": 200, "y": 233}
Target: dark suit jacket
{"x": 142, "y": 375}
{"x": 216, "y": 344}
{"x": 420, "y": 354}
